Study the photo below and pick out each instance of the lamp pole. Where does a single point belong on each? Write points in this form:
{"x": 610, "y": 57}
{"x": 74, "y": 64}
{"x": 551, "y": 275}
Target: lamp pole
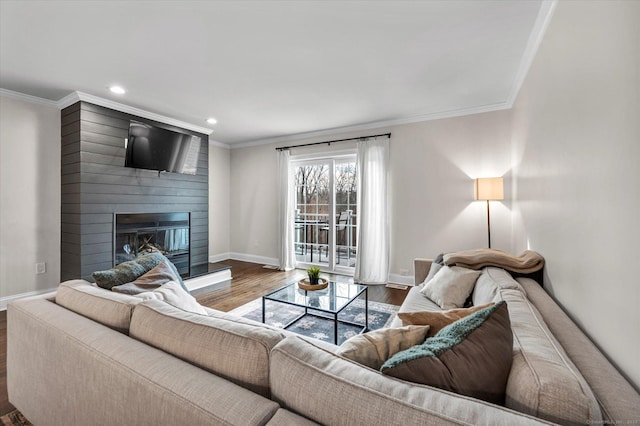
{"x": 489, "y": 189}
{"x": 488, "y": 225}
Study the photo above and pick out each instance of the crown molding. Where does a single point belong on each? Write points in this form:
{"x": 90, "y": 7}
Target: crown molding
{"x": 68, "y": 100}
{"x": 218, "y": 144}
{"x": 74, "y": 97}
{"x": 535, "y": 38}
{"x": 373, "y": 125}
{"x": 107, "y": 103}
{"x": 27, "y": 98}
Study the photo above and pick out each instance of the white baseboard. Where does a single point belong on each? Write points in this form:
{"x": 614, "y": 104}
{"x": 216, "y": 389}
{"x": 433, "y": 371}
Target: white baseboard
{"x": 4, "y": 301}
{"x": 255, "y": 259}
{"x": 401, "y": 279}
{"x": 393, "y": 278}
{"x": 219, "y": 257}
{"x": 245, "y": 258}
{"x": 208, "y": 279}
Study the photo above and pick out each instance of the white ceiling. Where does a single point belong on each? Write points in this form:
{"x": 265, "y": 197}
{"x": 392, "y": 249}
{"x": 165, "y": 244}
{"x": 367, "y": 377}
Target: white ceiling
{"x": 271, "y": 69}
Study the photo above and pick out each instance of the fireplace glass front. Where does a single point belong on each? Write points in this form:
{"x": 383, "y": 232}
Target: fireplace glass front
{"x": 167, "y": 233}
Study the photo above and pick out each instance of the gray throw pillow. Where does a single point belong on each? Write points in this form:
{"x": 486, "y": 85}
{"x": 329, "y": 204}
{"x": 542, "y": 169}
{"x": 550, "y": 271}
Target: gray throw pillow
{"x": 471, "y": 356}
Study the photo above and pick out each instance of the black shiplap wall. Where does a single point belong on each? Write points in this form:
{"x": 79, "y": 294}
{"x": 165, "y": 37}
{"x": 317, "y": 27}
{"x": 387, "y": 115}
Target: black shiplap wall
{"x": 95, "y": 185}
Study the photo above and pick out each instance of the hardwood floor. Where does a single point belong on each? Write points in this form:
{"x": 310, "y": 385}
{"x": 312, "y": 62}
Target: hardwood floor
{"x": 250, "y": 281}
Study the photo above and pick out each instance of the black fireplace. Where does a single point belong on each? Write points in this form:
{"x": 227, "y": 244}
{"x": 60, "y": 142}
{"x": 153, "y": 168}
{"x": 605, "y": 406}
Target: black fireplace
{"x": 168, "y": 233}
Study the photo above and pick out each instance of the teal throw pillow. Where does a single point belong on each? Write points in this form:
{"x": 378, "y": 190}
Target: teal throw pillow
{"x": 129, "y": 271}
{"x": 471, "y": 356}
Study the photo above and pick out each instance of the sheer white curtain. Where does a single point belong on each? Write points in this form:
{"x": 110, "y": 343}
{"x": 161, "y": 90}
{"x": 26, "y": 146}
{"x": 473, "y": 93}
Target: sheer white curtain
{"x": 372, "y": 260}
{"x": 286, "y": 205}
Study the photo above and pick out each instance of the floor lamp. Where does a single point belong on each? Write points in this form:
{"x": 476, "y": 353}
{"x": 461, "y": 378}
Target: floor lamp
{"x": 487, "y": 189}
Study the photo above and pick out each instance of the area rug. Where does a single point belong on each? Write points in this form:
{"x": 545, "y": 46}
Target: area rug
{"x": 280, "y": 314}
{"x": 14, "y": 418}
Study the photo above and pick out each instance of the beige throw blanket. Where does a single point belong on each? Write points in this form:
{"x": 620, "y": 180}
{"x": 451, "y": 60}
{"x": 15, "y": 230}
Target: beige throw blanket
{"x": 528, "y": 262}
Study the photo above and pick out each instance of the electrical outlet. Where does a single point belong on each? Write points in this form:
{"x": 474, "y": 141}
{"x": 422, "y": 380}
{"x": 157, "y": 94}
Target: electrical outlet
{"x": 41, "y": 268}
{"x": 404, "y": 272}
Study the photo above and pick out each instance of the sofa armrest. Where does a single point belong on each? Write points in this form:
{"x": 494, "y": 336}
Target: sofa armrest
{"x": 619, "y": 401}
{"x": 421, "y": 269}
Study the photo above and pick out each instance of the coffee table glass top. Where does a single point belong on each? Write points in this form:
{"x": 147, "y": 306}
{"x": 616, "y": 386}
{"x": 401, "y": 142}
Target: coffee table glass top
{"x": 330, "y": 299}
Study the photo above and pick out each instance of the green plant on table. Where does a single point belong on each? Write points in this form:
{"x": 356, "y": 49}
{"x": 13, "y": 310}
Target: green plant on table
{"x": 314, "y": 275}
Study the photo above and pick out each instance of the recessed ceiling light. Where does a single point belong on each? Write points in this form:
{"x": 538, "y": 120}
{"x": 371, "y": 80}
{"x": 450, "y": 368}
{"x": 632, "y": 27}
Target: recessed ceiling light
{"x": 118, "y": 90}
{"x": 212, "y": 120}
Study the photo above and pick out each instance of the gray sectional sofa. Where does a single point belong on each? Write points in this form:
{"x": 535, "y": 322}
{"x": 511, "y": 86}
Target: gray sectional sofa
{"x": 87, "y": 356}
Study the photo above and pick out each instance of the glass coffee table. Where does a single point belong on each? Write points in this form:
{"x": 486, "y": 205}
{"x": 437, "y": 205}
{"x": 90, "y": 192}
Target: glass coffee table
{"x": 326, "y": 303}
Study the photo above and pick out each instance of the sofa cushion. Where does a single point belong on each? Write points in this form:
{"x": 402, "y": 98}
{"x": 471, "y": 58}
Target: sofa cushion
{"x": 235, "y": 350}
{"x": 126, "y": 272}
{"x": 472, "y": 356}
{"x": 375, "y": 347}
{"x": 486, "y": 290}
{"x": 175, "y": 295}
{"x": 437, "y": 320}
{"x": 149, "y": 281}
{"x": 414, "y": 302}
{"x": 450, "y": 286}
{"x": 543, "y": 381}
{"x": 287, "y": 418}
{"x": 489, "y": 284}
{"x": 333, "y": 390}
{"x": 108, "y": 308}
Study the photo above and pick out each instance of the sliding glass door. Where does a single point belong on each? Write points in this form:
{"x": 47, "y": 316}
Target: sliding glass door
{"x": 346, "y": 214}
{"x": 311, "y": 236}
{"x": 326, "y": 213}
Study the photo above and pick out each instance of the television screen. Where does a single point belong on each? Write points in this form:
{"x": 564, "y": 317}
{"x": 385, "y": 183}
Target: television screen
{"x": 154, "y": 148}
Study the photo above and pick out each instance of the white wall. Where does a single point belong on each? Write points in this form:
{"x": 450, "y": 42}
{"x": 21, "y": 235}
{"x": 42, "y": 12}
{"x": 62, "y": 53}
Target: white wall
{"x": 29, "y": 197}
{"x": 432, "y": 166}
{"x": 254, "y": 222}
{"x": 219, "y": 208}
{"x": 576, "y": 141}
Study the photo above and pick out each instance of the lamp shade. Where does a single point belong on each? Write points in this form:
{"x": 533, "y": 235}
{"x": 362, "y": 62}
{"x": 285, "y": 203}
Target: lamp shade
{"x": 489, "y": 189}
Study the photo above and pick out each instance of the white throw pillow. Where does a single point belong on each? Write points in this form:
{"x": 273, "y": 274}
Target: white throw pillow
{"x": 433, "y": 270}
{"x": 450, "y": 286}
{"x": 175, "y": 295}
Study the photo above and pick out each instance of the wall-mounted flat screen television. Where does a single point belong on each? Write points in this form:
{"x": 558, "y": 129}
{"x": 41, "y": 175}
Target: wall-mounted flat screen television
{"x": 155, "y": 148}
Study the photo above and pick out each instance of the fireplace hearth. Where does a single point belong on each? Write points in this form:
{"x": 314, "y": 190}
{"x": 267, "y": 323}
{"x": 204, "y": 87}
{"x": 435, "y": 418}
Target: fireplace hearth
{"x": 167, "y": 233}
